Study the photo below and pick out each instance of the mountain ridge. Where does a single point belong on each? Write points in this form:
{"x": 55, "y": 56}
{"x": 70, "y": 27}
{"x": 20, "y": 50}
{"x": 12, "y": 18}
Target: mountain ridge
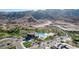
{"x": 70, "y": 15}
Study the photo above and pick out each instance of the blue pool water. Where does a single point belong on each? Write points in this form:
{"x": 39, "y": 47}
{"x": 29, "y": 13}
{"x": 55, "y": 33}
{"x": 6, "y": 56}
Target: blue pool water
{"x": 29, "y": 37}
{"x": 41, "y": 35}
{"x": 38, "y": 35}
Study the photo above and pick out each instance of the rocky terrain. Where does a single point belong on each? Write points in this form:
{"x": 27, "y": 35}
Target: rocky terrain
{"x": 69, "y": 15}
{"x": 23, "y": 25}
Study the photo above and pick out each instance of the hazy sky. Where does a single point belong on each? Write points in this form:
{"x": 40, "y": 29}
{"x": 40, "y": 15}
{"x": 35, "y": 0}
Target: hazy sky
{"x": 13, "y": 10}
{"x": 39, "y": 4}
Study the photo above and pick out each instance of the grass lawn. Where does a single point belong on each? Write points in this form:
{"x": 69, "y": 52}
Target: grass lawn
{"x": 27, "y": 44}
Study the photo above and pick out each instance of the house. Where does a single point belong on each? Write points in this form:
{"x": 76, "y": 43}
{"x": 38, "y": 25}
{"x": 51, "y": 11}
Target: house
{"x": 41, "y": 35}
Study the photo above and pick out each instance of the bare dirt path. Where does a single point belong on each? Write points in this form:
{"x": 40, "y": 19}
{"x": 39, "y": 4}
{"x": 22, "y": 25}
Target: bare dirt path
{"x": 43, "y": 24}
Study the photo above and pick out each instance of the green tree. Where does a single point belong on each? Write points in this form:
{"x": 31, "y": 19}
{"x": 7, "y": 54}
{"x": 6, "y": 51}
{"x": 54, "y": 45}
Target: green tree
{"x": 27, "y": 44}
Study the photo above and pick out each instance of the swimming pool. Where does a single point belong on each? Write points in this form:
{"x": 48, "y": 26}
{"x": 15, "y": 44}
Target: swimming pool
{"x": 41, "y": 35}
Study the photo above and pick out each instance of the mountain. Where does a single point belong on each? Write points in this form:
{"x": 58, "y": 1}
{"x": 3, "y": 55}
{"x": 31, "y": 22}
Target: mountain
{"x": 71, "y": 15}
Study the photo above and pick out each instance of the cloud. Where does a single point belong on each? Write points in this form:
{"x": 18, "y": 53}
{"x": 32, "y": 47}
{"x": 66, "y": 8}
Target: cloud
{"x": 38, "y": 4}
